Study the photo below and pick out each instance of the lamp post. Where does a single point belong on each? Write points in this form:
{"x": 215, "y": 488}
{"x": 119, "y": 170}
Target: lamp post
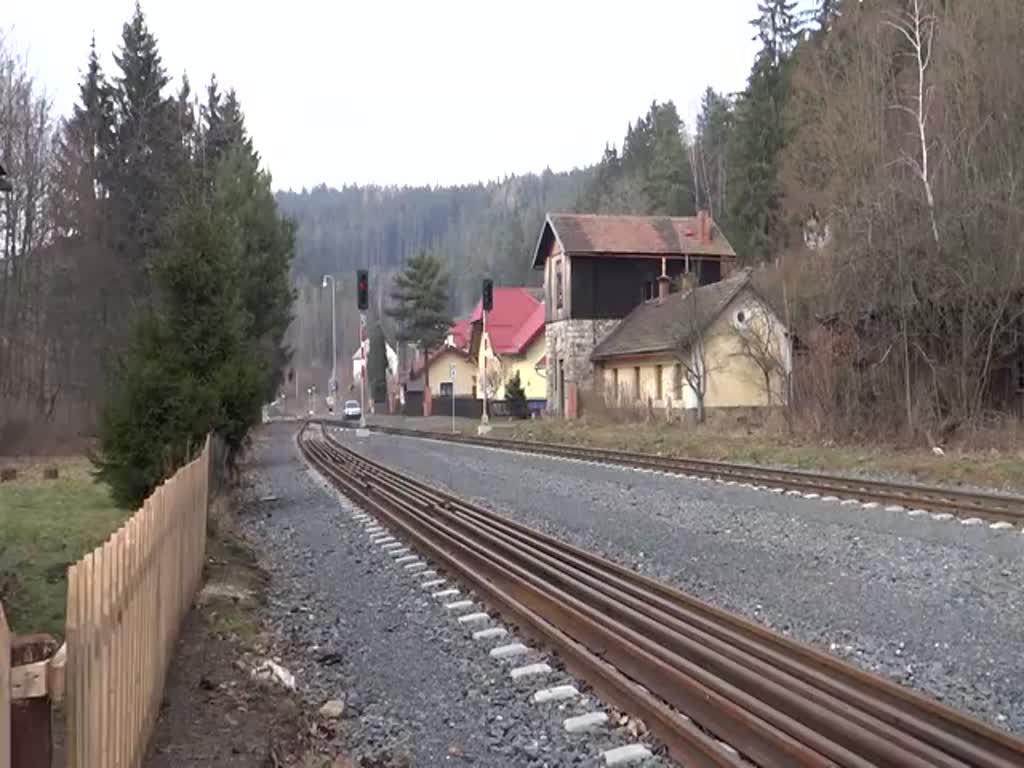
{"x": 332, "y": 386}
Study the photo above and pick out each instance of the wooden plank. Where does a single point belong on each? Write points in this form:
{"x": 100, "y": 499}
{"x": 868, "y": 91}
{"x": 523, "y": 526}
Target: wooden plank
{"x": 73, "y": 634}
{"x": 5, "y": 686}
{"x": 31, "y": 717}
{"x": 28, "y": 681}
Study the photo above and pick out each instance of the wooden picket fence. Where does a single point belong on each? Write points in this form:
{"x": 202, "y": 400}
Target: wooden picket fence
{"x": 5, "y": 692}
{"x": 126, "y": 603}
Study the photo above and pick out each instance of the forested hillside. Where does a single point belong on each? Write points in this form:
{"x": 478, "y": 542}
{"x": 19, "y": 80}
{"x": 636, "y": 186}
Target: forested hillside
{"x": 483, "y": 229}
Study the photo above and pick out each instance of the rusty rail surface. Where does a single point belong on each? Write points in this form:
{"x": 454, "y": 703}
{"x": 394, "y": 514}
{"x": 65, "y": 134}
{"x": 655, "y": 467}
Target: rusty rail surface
{"x": 697, "y": 675}
{"x": 990, "y": 506}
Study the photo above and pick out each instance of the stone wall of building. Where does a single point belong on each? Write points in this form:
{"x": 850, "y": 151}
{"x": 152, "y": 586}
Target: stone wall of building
{"x": 572, "y": 341}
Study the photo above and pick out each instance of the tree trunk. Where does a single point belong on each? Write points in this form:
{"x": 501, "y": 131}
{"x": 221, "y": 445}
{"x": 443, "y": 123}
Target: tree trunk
{"x": 427, "y": 394}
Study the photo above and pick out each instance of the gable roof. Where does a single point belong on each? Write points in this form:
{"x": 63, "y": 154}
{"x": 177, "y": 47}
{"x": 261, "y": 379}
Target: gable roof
{"x": 516, "y": 319}
{"x": 604, "y": 235}
{"x": 671, "y": 324}
{"x": 460, "y": 333}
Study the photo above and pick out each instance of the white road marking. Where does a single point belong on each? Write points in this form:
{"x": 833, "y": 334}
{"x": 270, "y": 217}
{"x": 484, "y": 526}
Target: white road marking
{"x": 415, "y": 566}
{"x": 972, "y": 521}
{"x": 557, "y": 693}
{"x": 778, "y": 490}
{"x": 458, "y": 605}
{"x": 942, "y": 516}
{"x": 406, "y": 558}
{"x": 811, "y": 496}
{"x": 391, "y": 545}
{"x": 428, "y": 574}
{"x": 473, "y": 618}
{"x": 794, "y": 493}
{"x": 895, "y": 508}
{"x": 529, "y": 671}
{"x": 849, "y": 502}
{"x": 400, "y": 552}
{"x": 452, "y": 592}
{"x": 830, "y": 498}
{"x": 384, "y": 540}
{"x": 1002, "y": 525}
{"x": 870, "y": 505}
{"x": 588, "y": 722}
{"x": 433, "y": 583}
{"x": 627, "y": 755}
{"x": 507, "y": 651}
{"x": 917, "y": 512}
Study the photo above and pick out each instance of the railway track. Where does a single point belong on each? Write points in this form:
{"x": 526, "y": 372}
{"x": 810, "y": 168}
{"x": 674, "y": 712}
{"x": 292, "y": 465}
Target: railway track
{"x": 993, "y": 507}
{"x": 700, "y": 678}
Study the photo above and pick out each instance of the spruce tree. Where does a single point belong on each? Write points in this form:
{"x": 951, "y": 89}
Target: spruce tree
{"x": 267, "y": 240}
{"x": 82, "y": 155}
{"x": 419, "y": 297}
{"x": 146, "y": 171}
{"x": 713, "y": 145}
{"x": 516, "y": 397}
{"x": 761, "y": 134}
{"x": 189, "y": 369}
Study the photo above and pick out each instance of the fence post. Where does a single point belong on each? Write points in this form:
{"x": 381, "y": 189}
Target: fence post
{"x": 30, "y": 717}
{"x": 5, "y": 692}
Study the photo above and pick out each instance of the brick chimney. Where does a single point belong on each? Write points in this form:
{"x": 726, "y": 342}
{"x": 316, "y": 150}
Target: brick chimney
{"x": 664, "y": 283}
{"x": 687, "y": 282}
{"x": 703, "y": 226}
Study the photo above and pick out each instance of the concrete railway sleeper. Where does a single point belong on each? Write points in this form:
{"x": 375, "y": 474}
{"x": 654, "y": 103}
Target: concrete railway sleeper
{"x": 990, "y": 506}
{"x": 644, "y": 645}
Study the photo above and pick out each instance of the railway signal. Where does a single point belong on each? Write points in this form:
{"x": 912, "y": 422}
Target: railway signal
{"x": 363, "y": 289}
{"x": 488, "y": 294}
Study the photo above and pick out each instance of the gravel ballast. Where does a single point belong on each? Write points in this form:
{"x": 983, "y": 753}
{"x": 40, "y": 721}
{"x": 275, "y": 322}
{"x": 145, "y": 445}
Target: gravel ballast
{"x": 935, "y": 605}
{"x": 417, "y": 689}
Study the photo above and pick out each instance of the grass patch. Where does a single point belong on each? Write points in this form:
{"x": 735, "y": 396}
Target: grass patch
{"x": 996, "y": 469}
{"x": 46, "y": 525}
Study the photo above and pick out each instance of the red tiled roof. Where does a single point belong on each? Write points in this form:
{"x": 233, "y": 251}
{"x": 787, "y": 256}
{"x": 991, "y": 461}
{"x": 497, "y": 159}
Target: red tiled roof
{"x": 460, "y": 332}
{"x": 599, "y": 234}
{"x": 516, "y": 318}
{"x": 528, "y": 331}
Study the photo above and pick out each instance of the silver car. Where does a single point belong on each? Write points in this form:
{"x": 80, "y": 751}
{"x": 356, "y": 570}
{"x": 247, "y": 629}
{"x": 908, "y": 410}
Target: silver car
{"x": 352, "y": 410}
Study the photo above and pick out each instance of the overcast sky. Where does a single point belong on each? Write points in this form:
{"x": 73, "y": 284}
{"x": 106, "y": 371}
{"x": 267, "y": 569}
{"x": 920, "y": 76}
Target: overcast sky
{"x": 417, "y": 91}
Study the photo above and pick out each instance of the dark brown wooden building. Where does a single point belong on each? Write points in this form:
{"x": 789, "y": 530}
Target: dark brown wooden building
{"x": 598, "y": 268}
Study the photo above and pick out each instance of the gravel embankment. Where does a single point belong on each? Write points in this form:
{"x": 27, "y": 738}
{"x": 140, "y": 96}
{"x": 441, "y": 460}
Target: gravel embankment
{"x": 418, "y": 689}
{"x": 934, "y": 605}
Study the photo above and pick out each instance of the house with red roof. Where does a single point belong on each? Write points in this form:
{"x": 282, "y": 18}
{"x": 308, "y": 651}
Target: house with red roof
{"x": 513, "y": 342}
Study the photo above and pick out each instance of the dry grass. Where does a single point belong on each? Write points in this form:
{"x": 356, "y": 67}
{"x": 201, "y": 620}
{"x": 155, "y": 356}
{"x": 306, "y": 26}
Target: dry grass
{"x": 990, "y": 468}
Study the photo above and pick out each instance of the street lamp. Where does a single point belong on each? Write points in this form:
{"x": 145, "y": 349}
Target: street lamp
{"x": 333, "y": 386}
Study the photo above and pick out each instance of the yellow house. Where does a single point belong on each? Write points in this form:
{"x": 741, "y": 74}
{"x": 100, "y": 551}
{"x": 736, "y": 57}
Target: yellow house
{"x": 531, "y": 366}
{"x": 513, "y": 343}
{"x": 716, "y": 346}
{"x": 440, "y": 367}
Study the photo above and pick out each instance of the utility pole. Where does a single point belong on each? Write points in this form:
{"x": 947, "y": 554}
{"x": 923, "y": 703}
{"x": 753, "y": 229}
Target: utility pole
{"x": 486, "y": 305}
{"x": 363, "y": 302}
{"x": 332, "y": 386}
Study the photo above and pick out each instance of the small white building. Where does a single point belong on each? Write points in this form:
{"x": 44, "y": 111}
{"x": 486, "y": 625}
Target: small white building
{"x": 360, "y": 356}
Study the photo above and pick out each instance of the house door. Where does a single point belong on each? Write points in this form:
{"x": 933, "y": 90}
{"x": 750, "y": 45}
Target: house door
{"x": 561, "y": 387}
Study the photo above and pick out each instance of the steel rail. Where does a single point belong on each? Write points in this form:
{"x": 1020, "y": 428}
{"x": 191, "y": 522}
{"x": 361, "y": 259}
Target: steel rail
{"x": 777, "y": 701}
{"x": 877, "y": 704}
{"x": 990, "y": 506}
